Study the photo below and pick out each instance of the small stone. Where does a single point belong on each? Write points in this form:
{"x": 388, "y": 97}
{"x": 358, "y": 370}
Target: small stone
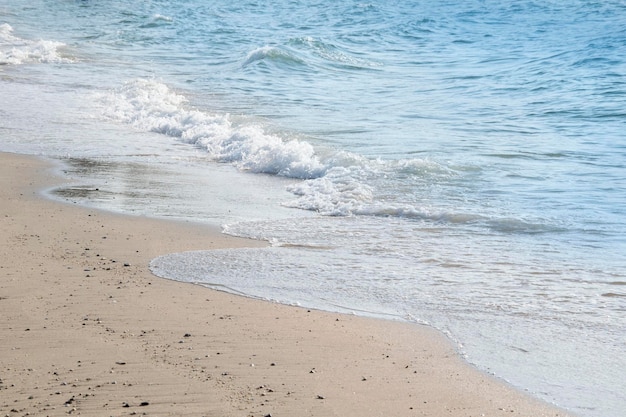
{"x": 320, "y": 397}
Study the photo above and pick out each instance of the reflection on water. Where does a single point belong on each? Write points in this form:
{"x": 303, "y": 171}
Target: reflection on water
{"x": 130, "y": 184}
{"x": 186, "y": 189}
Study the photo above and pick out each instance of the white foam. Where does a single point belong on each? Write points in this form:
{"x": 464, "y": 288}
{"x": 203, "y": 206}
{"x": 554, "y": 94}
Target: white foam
{"x": 18, "y": 51}
{"x": 338, "y": 193}
{"x": 355, "y": 185}
{"x": 149, "y": 105}
{"x": 341, "y": 184}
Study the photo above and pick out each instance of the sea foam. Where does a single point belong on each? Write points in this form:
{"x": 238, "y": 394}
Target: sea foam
{"x": 338, "y": 184}
{"x": 16, "y": 51}
{"x": 149, "y": 105}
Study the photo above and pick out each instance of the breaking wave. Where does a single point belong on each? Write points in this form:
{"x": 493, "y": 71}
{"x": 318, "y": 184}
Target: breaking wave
{"x": 151, "y": 106}
{"x": 17, "y": 51}
{"x": 339, "y": 183}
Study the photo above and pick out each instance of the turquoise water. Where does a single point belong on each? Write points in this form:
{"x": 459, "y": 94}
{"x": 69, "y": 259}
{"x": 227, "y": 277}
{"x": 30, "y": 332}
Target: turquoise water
{"x": 454, "y": 163}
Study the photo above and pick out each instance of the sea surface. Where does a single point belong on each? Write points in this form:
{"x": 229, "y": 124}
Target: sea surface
{"x": 456, "y": 163}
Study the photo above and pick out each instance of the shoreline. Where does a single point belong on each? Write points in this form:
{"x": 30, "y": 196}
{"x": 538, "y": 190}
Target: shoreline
{"x": 86, "y": 329}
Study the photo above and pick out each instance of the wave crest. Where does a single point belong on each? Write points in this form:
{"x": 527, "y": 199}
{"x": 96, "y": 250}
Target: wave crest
{"x": 340, "y": 184}
{"x": 151, "y": 106}
{"x": 18, "y": 51}
{"x": 271, "y": 54}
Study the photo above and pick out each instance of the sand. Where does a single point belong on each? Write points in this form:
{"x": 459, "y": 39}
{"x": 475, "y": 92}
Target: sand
{"x": 86, "y": 329}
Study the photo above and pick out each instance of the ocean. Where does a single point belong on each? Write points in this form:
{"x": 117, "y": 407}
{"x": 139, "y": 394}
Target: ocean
{"x": 460, "y": 164}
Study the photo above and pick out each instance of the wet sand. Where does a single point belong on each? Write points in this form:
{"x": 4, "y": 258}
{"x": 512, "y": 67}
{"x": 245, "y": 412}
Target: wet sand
{"x": 86, "y": 329}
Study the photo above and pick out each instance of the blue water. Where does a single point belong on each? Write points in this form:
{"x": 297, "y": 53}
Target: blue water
{"x": 456, "y": 163}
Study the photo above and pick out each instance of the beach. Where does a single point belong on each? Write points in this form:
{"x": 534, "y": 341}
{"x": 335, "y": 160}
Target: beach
{"x": 442, "y": 185}
{"x": 86, "y": 329}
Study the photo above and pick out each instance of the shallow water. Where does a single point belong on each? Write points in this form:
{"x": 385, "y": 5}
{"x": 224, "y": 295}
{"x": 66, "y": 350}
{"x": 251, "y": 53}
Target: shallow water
{"x": 455, "y": 163}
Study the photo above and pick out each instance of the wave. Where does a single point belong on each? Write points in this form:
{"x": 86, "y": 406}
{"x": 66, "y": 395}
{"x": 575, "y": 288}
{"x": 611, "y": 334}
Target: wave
{"x": 156, "y": 21}
{"x": 343, "y": 192}
{"x": 339, "y": 183}
{"x": 332, "y": 54}
{"x": 151, "y": 106}
{"x": 308, "y": 52}
{"x": 271, "y": 54}
{"x": 17, "y": 51}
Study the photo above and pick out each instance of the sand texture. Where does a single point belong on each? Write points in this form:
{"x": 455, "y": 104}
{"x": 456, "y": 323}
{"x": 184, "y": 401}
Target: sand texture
{"x": 86, "y": 329}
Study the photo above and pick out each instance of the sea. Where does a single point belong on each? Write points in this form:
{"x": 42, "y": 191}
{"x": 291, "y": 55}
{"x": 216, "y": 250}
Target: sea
{"x": 459, "y": 164}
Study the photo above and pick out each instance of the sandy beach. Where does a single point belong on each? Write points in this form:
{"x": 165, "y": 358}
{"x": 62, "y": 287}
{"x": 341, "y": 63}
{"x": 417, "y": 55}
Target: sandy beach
{"x": 86, "y": 329}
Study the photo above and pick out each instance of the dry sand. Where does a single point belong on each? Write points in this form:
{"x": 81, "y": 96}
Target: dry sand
{"x": 86, "y": 329}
